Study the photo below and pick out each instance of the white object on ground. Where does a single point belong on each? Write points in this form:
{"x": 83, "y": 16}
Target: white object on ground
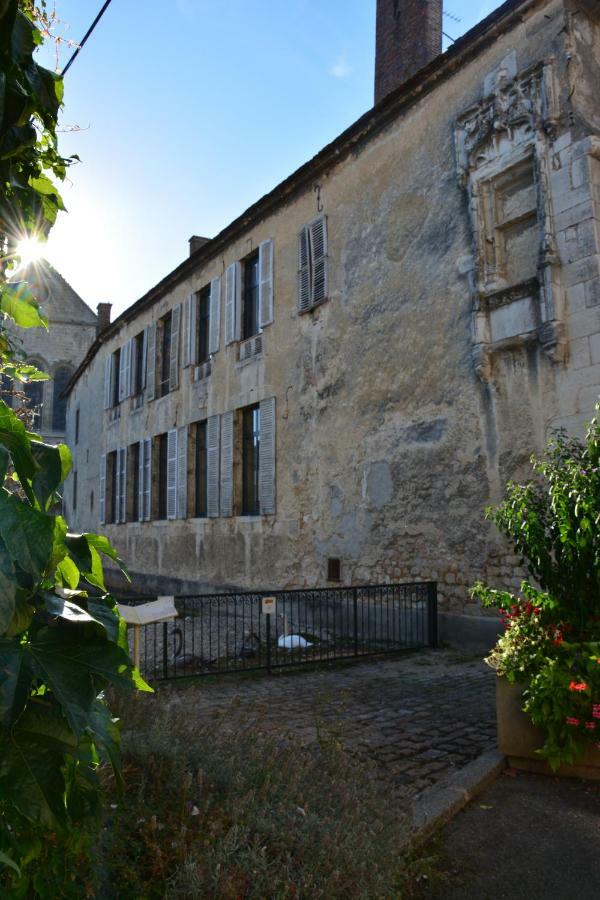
{"x": 292, "y": 642}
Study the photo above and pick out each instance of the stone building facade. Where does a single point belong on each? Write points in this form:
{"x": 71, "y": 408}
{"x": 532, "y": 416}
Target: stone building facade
{"x": 335, "y": 386}
{"x": 72, "y": 329}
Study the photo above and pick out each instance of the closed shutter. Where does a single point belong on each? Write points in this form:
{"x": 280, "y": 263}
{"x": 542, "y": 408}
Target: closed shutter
{"x": 214, "y": 339}
{"x": 133, "y": 368}
{"x": 147, "y": 480}
{"x": 172, "y": 474}
{"x": 232, "y": 312}
{"x": 123, "y": 368}
{"x": 174, "y": 358}
{"x": 102, "y": 504}
{"x": 182, "y": 451}
{"x": 141, "y": 477}
{"x": 193, "y": 339}
{"x": 186, "y": 332}
{"x": 108, "y": 381}
{"x": 151, "y": 361}
{"x": 213, "y": 426}
{"x": 227, "y": 464}
{"x": 303, "y": 271}
{"x": 318, "y": 258}
{"x": 265, "y": 267}
{"x": 122, "y": 486}
{"x": 266, "y": 459}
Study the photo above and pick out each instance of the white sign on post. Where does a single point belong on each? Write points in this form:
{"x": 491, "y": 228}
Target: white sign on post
{"x": 269, "y": 606}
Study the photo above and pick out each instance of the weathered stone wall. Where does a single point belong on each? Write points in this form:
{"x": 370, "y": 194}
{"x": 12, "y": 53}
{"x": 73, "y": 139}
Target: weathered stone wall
{"x": 390, "y": 442}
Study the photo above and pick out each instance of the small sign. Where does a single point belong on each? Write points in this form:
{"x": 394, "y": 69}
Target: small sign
{"x": 269, "y": 606}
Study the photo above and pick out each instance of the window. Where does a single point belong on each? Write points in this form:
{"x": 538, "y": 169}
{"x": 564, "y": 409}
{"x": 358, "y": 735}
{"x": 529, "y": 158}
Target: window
{"x": 77, "y": 425}
{"x": 250, "y": 460}
{"x": 74, "y": 491}
{"x": 115, "y": 380}
{"x": 62, "y": 376}
{"x": 111, "y": 488}
{"x": 138, "y": 363}
{"x": 250, "y": 296}
{"x": 162, "y": 444}
{"x": 313, "y": 279}
{"x": 334, "y": 570}
{"x": 34, "y": 391}
{"x": 164, "y": 368}
{"x": 203, "y": 336}
{"x": 200, "y": 471}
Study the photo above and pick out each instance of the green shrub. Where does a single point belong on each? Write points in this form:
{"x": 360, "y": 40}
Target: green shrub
{"x": 552, "y": 638}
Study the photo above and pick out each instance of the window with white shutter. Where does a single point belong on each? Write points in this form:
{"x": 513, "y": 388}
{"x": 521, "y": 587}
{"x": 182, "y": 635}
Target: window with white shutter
{"x": 233, "y": 287}
{"x": 186, "y": 331}
{"x": 102, "y": 492}
{"x": 213, "y": 443}
{"x": 150, "y": 355}
{"x": 146, "y": 480}
{"x": 182, "y": 472}
{"x": 313, "y": 274}
{"x": 108, "y": 382}
{"x": 267, "y": 469}
{"x": 172, "y": 474}
{"x": 123, "y": 372}
{"x": 215, "y": 315}
{"x": 121, "y": 510}
{"x": 174, "y": 354}
{"x": 227, "y": 464}
{"x": 265, "y": 267}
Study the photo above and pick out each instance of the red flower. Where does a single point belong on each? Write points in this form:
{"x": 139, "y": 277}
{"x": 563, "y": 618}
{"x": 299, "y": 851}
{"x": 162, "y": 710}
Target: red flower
{"x": 570, "y": 720}
{"x": 591, "y": 726}
{"x": 578, "y": 686}
{"x": 596, "y": 710}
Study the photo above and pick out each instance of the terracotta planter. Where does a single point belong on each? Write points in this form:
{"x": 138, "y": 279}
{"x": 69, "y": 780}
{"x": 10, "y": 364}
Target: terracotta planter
{"x": 518, "y": 739}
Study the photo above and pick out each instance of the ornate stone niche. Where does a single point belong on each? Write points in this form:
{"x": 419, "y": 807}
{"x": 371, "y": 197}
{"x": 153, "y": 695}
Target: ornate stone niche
{"x": 503, "y": 149}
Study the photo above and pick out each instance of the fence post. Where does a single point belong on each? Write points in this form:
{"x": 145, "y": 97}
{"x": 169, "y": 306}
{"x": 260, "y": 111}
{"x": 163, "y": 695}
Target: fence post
{"x": 432, "y": 613}
{"x": 165, "y": 653}
{"x": 355, "y": 604}
{"x": 268, "y": 617}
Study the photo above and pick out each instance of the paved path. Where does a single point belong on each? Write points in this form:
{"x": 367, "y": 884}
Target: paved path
{"x": 418, "y": 717}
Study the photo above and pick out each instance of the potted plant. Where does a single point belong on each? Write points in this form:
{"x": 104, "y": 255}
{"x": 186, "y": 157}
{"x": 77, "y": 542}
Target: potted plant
{"x": 548, "y": 658}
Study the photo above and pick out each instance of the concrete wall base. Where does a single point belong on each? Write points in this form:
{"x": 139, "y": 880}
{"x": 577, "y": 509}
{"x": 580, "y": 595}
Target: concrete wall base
{"x": 472, "y": 633}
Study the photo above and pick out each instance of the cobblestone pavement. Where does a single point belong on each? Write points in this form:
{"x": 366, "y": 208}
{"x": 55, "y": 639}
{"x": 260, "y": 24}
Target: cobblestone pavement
{"x": 418, "y": 717}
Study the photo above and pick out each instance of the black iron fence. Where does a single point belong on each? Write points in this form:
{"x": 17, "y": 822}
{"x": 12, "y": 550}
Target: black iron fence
{"x": 221, "y": 633}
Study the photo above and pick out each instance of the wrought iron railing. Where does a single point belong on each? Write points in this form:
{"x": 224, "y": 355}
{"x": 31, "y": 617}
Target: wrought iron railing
{"x": 222, "y": 633}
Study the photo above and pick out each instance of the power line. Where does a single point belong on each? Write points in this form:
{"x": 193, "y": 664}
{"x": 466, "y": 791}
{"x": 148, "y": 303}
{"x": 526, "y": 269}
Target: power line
{"x": 85, "y": 38}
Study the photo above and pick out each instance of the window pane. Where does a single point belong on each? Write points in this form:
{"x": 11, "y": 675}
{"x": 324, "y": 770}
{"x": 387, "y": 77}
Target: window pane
{"x": 250, "y": 461}
{"x": 201, "y": 510}
{"x": 162, "y": 476}
{"x": 139, "y": 363}
{"x": 250, "y": 297}
{"x": 165, "y": 355}
{"x": 135, "y": 500}
{"x": 203, "y": 324}
{"x": 59, "y": 408}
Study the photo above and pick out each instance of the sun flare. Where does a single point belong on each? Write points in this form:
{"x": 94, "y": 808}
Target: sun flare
{"x": 30, "y": 250}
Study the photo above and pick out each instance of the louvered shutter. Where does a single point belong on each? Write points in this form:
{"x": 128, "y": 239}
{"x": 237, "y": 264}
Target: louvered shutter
{"x": 265, "y": 268}
{"x": 102, "y": 504}
{"x": 303, "y": 271}
{"x": 141, "y": 476}
{"x": 182, "y": 451}
{"x": 151, "y": 361}
{"x": 116, "y": 516}
{"x": 318, "y": 259}
{"x": 186, "y": 332}
{"x": 122, "y": 486}
{"x": 147, "y": 480}
{"x": 214, "y": 340}
{"x": 108, "y": 381}
{"x": 227, "y": 464}
{"x": 266, "y": 458}
{"x": 144, "y": 358}
{"x": 132, "y": 368}
{"x": 172, "y": 474}
{"x": 174, "y": 357}
{"x": 123, "y": 368}
{"x": 232, "y": 287}
{"x": 193, "y": 339}
{"x": 213, "y": 426}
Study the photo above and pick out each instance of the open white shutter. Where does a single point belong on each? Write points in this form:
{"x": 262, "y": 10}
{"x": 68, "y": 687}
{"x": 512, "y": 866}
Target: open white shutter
{"x": 227, "y": 464}
{"x": 108, "y": 381}
{"x": 266, "y": 457}
{"x": 318, "y": 257}
{"x": 172, "y": 474}
{"x": 132, "y": 367}
{"x": 186, "y": 332}
{"x": 265, "y": 268}
{"x": 213, "y": 433}
{"x": 303, "y": 271}
{"x": 102, "y": 505}
{"x": 174, "y": 357}
{"x": 151, "y": 361}
{"x": 231, "y": 304}
{"x": 182, "y": 452}
{"x": 193, "y": 334}
{"x": 123, "y": 368}
{"x": 116, "y": 515}
{"x": 214, "y": 340}
{"x": 147, "y": 480}
{"x": 141, "y": 481}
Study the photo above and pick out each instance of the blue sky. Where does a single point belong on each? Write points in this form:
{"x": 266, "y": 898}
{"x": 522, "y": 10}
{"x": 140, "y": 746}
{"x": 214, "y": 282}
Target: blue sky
{"x": 188, "y": 112}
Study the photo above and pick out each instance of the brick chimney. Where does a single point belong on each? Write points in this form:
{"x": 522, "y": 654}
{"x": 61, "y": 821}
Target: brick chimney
{"x": 103, "y": 321}
{"x": 196, "y": 242}
{"x": 409, "y": 36}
